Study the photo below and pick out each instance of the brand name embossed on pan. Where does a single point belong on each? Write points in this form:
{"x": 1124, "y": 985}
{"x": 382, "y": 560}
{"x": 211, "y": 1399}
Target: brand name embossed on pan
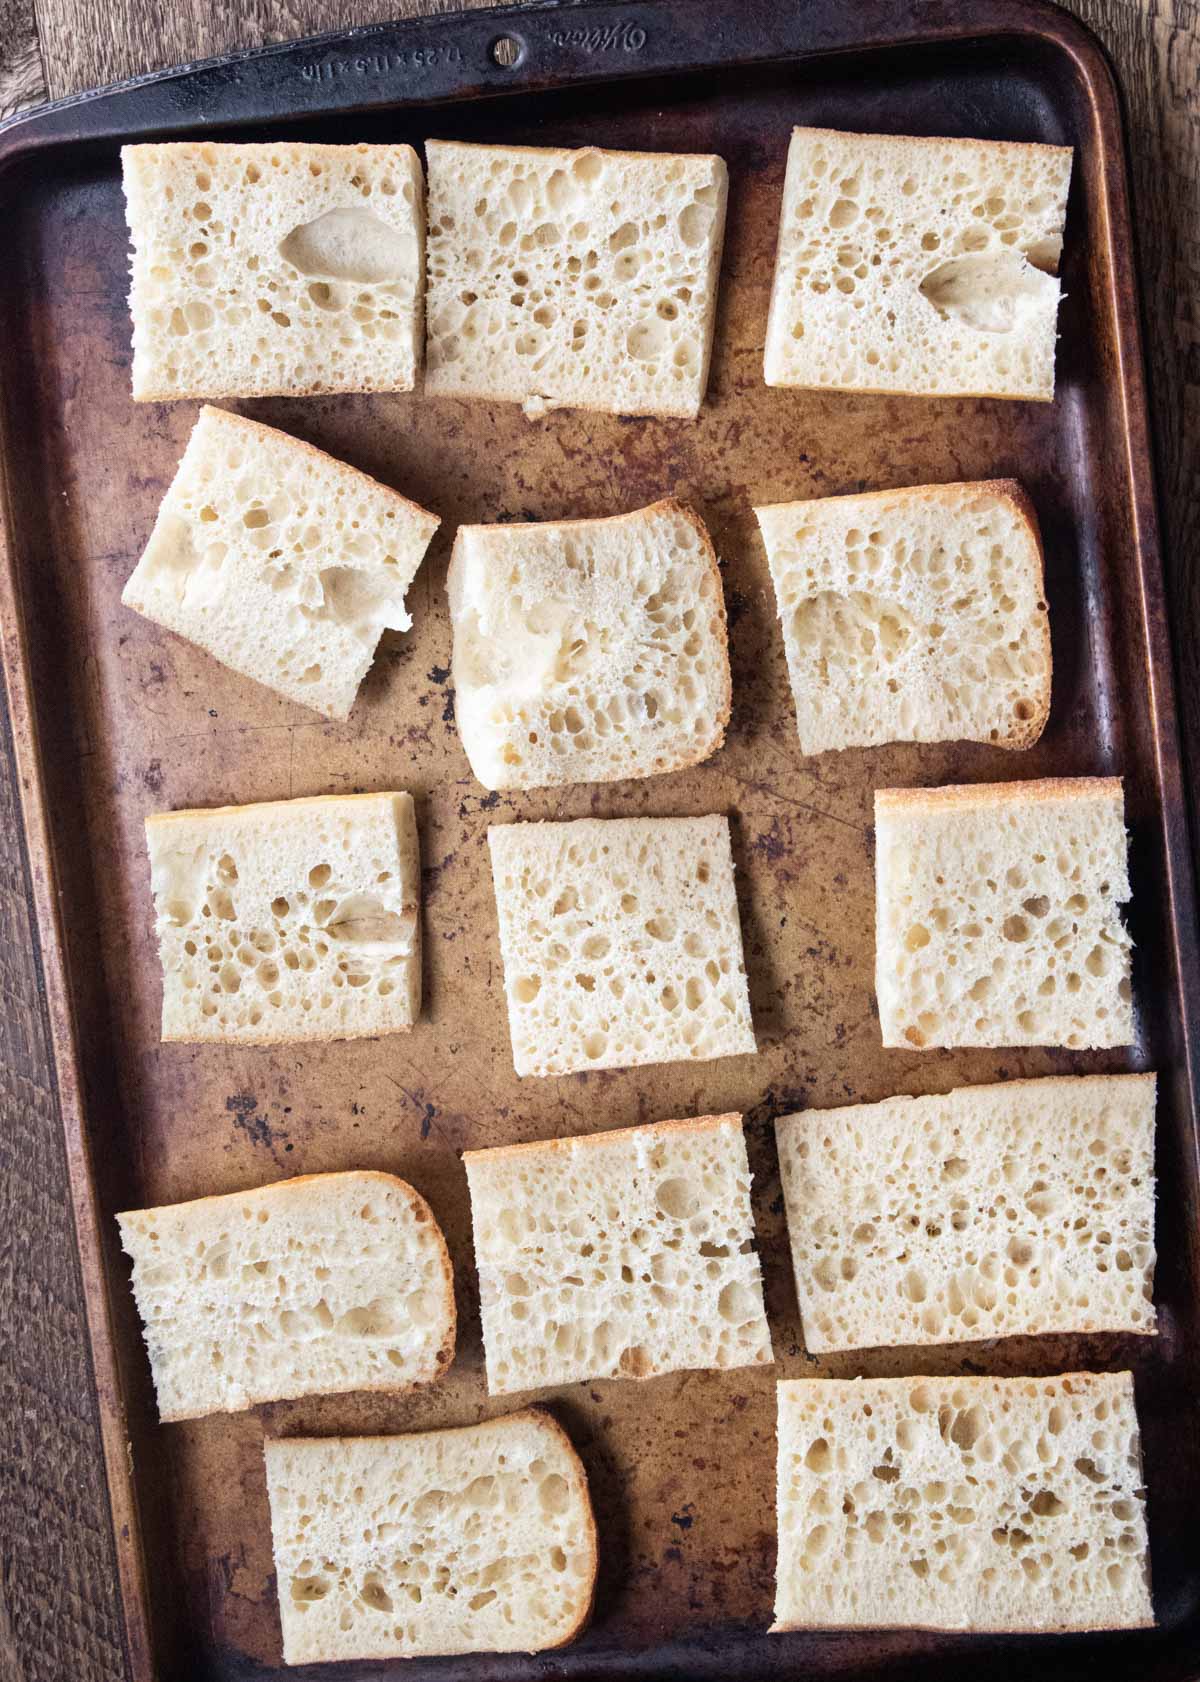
{"x": 379, "y": 64}
{"x": 617, "y": 37}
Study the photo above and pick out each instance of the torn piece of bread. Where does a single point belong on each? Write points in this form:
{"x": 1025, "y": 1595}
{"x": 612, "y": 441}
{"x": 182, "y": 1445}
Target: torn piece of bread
{"x": 474, "y": 1540}
{"x": 282, "y": 563}
{"x": 291, "y": 920}
{"x": 913, "y": 615}
{"x": 316, "y": 1285}
{"x": 961, "y": 1504}
{"x": 617, "y": 1255}
{"x": 918, "y": 265}
{"x": 621, "y": 942}
{"x": 997, "y": 916}
{"x": 572, "y": 279}
{"x": 276, "y": 269}
{"x": 588, "y": 650}
{"x": 992, "y": 1210}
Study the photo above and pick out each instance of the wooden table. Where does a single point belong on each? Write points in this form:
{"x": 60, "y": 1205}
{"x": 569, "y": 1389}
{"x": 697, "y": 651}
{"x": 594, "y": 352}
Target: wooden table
{"x": 59, "y": 1617}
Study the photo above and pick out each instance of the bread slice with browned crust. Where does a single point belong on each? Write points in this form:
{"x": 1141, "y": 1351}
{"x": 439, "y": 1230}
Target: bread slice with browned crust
{"x": 478, "y": 1539}
{"x": 321, "y": 1284}
{"x": 588, "y": 650}
{"x": 913, "y": 615}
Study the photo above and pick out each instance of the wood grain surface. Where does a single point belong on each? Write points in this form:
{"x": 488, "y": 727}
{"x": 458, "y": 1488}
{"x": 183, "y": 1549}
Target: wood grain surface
{"x": 59, "y": 1617}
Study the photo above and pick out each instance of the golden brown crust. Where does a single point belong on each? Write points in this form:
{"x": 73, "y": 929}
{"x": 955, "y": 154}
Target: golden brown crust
{"x": 192, "y": 813}
{"x": 560, "y": 152}
{"x": 700, "y": 1124}
{"x": 814, "y": 1115}
{"x": 422, "y": 1214}
{"x": 965, "y": 796}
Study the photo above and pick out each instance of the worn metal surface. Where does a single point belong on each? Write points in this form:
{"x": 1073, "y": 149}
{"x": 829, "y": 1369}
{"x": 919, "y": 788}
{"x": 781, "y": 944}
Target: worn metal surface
{"x": 115, "y": 719}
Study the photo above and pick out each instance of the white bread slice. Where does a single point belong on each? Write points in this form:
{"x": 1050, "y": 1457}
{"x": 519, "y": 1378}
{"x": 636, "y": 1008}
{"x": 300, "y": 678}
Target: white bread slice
{"x": 912, "y": 265}
{"x": 282, "y": 563}
{"x": 282, "y": 268}
{"x": 617, "y": 1255}
{"x": 984, "y": 1504}
{"x": 580, "y": 279}
{"x": 621, "y": 942}
{"x": 992, "y": 1210}
{"x": 317, "y": 1285}
{"x": 913, "y": 615}
{"x": 588, "y": 650}
{"x": 997, "y": 916}
{"x": 474, "y": 1540}
{"x": 291, "y": 920}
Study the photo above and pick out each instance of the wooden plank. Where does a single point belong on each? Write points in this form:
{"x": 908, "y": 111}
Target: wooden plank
{"x": 58, "y": 1612}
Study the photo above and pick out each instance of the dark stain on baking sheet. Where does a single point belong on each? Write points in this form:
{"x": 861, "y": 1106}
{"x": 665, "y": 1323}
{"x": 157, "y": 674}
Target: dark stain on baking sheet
{"x": 130, "y": 721}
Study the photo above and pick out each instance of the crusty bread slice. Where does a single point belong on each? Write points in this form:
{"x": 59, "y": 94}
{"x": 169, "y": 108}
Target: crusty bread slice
{"x": 992, "y": 1210}
{"x": 961, "y": 1504}
{"x": 913, "y": 615}
{"x": 997, "y": 916}
{"x": 617, "y": 1255}
{"x": 918, "y": 265}
{"x": 279, "y": 561}
{"x": 621, "y": 942}
{"x": 475, "y": 1540}
{"x": 588, "y": 650}
{"x": 291, "y": 920}
{"x": 580, "y": 279}
{"x": 320, "y": 1284}
{"x": 281, "y": 268}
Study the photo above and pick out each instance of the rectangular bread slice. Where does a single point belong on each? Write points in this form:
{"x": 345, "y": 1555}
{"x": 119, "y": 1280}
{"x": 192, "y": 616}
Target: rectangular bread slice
{"x": 617, "y": 1255}
{"x": 913, "y": 615}
{"x": 291, "y": 920}
{"x": 283, "y": 564}
{"x": 588, "y": 650}
{"x": 984, "y": 1504}
{"x": 320, "y": 1284}
{"x": 581, "y": 279}
{"x": 621, "y": 942}
{"x": 925, "y": 266}
{"x": 997, "y": 917}
{"x": 993, "y": 1210}
{"x": 475, "y": 1540}
{"x": 274, "y": 269}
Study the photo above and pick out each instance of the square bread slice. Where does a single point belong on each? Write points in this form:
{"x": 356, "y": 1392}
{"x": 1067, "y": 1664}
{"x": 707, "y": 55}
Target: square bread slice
{"x": 997, "y": 917}
{"x": 317, "y": 1285}
{"x": 617, "y": 1255}
{"x": 291, "y": 920}
{"x": 983, "y": 1504}
{"x": 913, "y": 615}
{"x": 621, "y": 942}
{"x": 283, "y": 564}
{"x": 583, "y": 279}
{"x": 918, "y": 265}
{"x": 474, "y": 1540}
{"x": 992, "y": 1210}
{"x": 586, "y": 651}
{"x": 280, "y": 269}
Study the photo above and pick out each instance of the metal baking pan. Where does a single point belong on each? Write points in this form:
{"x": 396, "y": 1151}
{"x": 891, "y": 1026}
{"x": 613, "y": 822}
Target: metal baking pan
{"x": 113, "y": 719}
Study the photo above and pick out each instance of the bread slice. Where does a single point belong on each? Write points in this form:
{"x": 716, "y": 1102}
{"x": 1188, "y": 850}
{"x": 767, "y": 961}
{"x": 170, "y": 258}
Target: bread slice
{"x": 282, "y": 563}
{"x": 572, "y": 279}
{"x": 617, "y": 1255}
{"x": 621, "y": 942}
{"x": 320, "y": 1284}
{"x": 913, "y": 615}
{"x": 986, "y": 1504}
{"x": 992, "y": 1210}
{"x": 588, "y": 650}
{"x": 282, "y": 268}
{"x": 997, "y": 915}
{"x": 918, "y": 265}
{"x": 292, "y": 920}
{"x": 475, "y": 1540}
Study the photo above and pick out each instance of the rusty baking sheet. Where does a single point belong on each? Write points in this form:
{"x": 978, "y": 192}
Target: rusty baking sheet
{"x": 113, "y": 719}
